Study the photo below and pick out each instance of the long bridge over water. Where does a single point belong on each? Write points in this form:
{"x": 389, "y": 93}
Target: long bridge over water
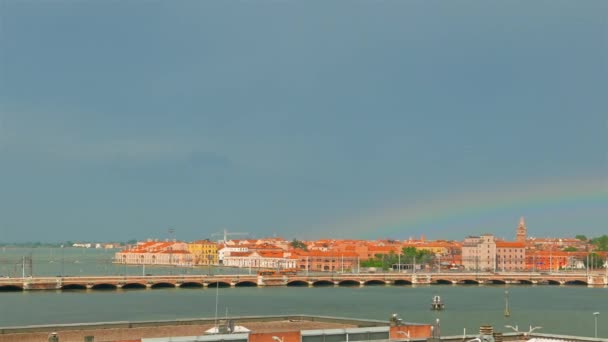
{"x": 354, "y": 279}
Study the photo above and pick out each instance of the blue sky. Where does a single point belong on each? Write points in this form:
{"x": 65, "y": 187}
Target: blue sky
{"x": 309, "y": 119}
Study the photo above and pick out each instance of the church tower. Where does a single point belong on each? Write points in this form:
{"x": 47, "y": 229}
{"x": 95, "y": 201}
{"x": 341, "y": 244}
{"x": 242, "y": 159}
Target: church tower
{"x": 522, "y": 232}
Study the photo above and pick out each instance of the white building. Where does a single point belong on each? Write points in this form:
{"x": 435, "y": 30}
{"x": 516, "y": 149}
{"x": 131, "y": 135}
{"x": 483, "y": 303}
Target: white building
{"x": 479, "y": 253}
{"x": 227, "y": 250}
{"x": 260, "y": 259}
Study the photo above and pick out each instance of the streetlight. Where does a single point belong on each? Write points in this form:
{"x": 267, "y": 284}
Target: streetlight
{"x": 209, "y": 260}
{"x": 438, "y": 329}
{"x": 277, "y": 338}
{"x": 595, "y": 314}
{"x": 62, "y": 261}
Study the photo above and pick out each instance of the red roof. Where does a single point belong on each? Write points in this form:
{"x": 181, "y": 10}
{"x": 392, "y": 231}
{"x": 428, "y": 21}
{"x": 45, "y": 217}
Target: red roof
{"x": 509, "y": 244}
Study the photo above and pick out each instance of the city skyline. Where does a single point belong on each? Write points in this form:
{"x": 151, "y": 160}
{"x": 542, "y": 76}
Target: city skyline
{"x": 369, "y": 120}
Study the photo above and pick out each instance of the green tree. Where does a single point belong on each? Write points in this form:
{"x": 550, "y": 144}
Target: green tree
{"x": 373, "y": 262}
{"x": 581, "y": 237}
{"x": 594, "y": 260}
{"x": 298, "y": 244}
{"x": 600, "y": 243}
{"x": 570, "y": 249}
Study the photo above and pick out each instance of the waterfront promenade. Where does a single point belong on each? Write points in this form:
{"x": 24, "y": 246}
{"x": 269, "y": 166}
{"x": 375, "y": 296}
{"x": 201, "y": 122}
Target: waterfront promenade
{"x": 354, "y": 279}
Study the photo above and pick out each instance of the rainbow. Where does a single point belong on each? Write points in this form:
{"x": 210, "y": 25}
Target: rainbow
{"x": 471, "y": 206}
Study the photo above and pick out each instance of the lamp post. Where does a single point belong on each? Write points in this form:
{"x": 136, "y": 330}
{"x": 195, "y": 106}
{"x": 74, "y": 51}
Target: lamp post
{"x": 277, "y": 339}
{"x": 438, "y": 329}
{"x": 62, "y": 261}
{"x": 209, "y": 260}
{"x": 595, "y": 314}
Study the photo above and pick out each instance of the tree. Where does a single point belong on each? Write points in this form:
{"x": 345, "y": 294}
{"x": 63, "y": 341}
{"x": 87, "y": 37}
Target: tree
{"x": 581, "y": 237}
{"x": 373, "y": 262}
{"x": 594, "y": 261}
{"x": 600, "y": 243}
{"x": 570, "y": 249}
{"x": 298, "y": 244}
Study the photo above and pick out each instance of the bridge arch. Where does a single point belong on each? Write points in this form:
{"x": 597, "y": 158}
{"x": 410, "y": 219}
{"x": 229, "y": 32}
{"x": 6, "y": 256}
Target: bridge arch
{"x": 104, "y": 286}
{"x": 218, "y": 284}
{"x": 349, "y": 282}
{"x": 374, "y": 282}
{"x": 246, "y": 283}
{"x": 10, "y": 288}
{"x": 134, "y": 286}
{"x": 575, "y": 282}
{"x": 468, "y": 282}
{"x": 401, "y": 282}
{"x": 191, "y": 285}
{"x": 442, "y": 282}
{"x": 297, "y": 283}
{"x": 162, "y": 285}
{"x": 552, "y": 282}
{"x": 525, "y": 282}
{"x": 496, "y": 282}
{"x": 323, "y": 283}
{"x": 74, "y": 287}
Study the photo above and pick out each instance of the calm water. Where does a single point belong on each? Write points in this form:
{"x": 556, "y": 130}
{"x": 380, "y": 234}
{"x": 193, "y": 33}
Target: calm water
{"x": 84, "y": 261}
{"x": 564, "y": 310}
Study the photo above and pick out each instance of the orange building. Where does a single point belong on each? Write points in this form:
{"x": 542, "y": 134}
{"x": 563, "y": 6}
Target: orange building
{"x": 318, "y": 261}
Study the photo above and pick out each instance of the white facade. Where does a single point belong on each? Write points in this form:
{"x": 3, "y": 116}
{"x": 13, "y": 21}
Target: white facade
{"x": 255, "y": 260}
{"x": 479, "y": 253}
{"x": 224, "y": 252}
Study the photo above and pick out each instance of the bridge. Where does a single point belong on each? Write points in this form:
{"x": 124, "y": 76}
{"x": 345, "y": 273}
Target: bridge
{"x": 349, "y": 279}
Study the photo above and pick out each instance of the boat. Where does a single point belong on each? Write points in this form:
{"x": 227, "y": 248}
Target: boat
{"x": 437, "y": 304}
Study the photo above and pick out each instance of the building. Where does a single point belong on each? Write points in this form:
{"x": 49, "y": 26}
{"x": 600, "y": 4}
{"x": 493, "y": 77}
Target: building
{"x": 156, "y": 253}
{"x": 486, "y": 253}
{"x": 260, "y": 259}
{"x": 204, "y": 252}
{"x": 292, "y": 328}
{"x": 510, "y": 256}
{"x": 319, "y": 261}
{"x": 522, "y": 232}
{"x": 479, "y": 253}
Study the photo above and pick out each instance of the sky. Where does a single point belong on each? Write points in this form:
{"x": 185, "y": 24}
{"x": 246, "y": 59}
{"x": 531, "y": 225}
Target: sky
{"x": 302, "y": 119}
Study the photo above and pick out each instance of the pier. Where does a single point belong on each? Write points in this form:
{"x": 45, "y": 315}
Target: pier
{"x": 345, "y": 279}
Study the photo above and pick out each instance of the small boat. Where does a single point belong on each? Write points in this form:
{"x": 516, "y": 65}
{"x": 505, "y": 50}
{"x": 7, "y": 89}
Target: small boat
{"x": 437, "y": 304}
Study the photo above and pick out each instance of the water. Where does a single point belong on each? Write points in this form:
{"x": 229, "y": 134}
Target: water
{"x": 85, "y": 261}
{"x": 558, "y": 309}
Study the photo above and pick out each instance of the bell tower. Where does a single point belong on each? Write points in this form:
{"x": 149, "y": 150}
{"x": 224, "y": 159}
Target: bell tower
{"x": 522, "y": 232}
